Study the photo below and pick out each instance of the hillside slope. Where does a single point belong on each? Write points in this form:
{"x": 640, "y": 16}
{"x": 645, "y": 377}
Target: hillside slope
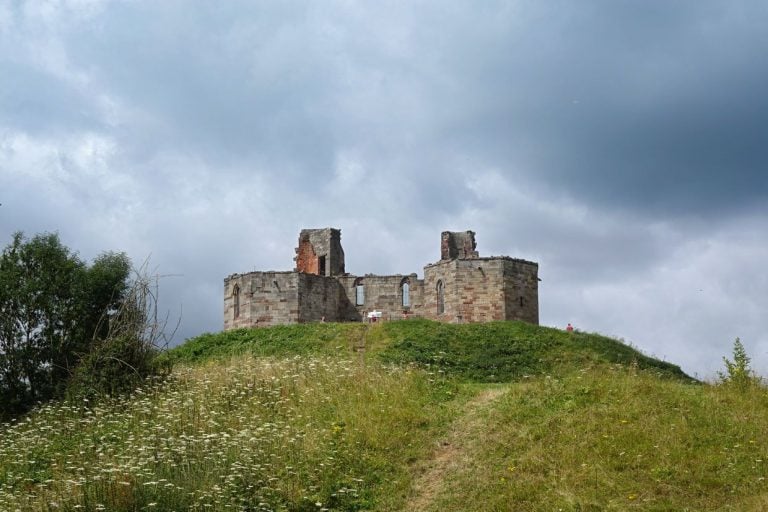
{"x": 396, "y": 417}
{"x": 490, "y": 352}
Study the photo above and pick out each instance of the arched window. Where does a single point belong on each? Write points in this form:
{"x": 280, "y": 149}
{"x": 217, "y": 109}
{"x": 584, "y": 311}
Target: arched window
{"x": 236, "y": 300}
{"x": 405, "y": 287}
{"x": 440, "y": 298}
{"x": 359, "y": 292}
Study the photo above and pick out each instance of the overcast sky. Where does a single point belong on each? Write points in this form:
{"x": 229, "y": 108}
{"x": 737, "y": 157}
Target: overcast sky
{"x": 622, "y": 145}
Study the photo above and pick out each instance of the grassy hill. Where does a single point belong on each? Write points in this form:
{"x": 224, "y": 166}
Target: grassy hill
{"x": 411, "y": 415}
{"x": 491, "y": 352}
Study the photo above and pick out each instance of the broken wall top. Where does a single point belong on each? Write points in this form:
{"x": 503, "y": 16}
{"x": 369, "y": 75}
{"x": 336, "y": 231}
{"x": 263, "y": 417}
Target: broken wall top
{"x": 320, "y": 252}
{"x": 459, "y": 245}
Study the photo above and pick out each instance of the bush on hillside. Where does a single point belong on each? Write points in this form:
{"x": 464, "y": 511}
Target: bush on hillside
{"x": 738, "y": 372}
{"x": 127, "y": 355}
{"x": 115, "y": 366}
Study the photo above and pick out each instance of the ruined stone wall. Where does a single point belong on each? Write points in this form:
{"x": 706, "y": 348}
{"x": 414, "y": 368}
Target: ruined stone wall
{"x": 240, "y": 283}
{"x": 458, "y": 245}
{"x": 348, "y": 311}
{"x": 266, "y": 298}
{"x": 472, "y": 290}
{"x": 521, "y": 290}
{"x": 306, "y": 258}
{"x": 320, "y": 252}
{"x": 318, "y": 298}
{"x": 482, "y": 290}
{"x": 383, "y": 293}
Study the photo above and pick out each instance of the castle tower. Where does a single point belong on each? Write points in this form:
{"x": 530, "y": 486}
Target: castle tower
{"x": 320, "y": 252}
{"x": 459, "y": 245}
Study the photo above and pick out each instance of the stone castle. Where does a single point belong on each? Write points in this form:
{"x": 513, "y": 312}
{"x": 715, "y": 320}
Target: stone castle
{"x": 461, "y": 287}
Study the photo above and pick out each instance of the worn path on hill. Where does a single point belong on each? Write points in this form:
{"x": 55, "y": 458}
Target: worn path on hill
{"x": 454, "y": 451}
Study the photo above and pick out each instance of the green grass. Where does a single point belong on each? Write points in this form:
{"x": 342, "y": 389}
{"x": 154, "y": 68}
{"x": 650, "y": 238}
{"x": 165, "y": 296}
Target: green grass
{"x": 490, "y": 352}
{"x": 429, "y": 416}
{"x": 506, "y": 351}
{"x": 616, "y": 439}
{"x": 282, "y": 340}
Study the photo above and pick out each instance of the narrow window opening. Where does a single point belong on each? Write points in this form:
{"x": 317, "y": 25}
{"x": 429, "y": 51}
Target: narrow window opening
{"x": 359, "y": 292}
{"x": 236, "y": 300}
{"x": 406, "y": 291}
{"x": 522, "y": 302}
{"x": 440, "y": 298}
{"x": 321, "y": 265}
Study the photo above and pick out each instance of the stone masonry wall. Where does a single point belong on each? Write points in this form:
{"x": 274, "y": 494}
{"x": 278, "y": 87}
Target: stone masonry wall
{"x": 318, "y": 298}
{"x": 266, "y": 298}
{"x": 458, "y": 245}
{"x": 385, "y": 294}
{"x": 243, "y": 319}
{"x": 320, "y": 252}
{"x": 521, "y": 290}
{"x": 482, "y": 290}
{"x": 475, "y": 289}
{"x": 306, "y": 258}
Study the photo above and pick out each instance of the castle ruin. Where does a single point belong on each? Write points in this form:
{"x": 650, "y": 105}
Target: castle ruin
{"x": 461, "y": 287}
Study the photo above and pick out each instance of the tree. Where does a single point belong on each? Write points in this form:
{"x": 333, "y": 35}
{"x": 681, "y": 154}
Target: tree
{"x": 51, "y": 306}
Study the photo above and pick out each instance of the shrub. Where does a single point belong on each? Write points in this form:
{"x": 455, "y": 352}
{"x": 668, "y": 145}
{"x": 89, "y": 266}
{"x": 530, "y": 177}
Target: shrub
{"x": 127, "y": 356}
{"x": 738, "y": 373}
{"x": 115, "y": 366}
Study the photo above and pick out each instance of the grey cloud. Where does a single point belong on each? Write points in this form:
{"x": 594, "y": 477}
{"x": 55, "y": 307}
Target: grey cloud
{"x": 661, "y": 113}
{"x": 35, "y": 101}
{"x": 657, "y": 108}
{"x": 602, "y": 139}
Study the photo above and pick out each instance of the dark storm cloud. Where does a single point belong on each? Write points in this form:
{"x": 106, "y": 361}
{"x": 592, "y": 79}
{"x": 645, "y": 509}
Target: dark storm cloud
{"x": 619, "y": 144}
{"x": 658, "y": 107}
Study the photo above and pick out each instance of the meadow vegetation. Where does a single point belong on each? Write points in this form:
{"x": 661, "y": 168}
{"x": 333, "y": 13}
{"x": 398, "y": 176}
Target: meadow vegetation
{"x": 410, "y": 415}
{"x": 245, "y": 434}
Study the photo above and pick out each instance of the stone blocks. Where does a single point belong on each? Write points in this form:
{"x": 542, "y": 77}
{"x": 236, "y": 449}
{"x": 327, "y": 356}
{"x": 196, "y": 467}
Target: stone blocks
{"x": 461, "y": 287}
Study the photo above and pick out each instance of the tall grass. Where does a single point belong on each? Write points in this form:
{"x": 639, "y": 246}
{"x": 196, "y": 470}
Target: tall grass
{"x": 248, "y": 434}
